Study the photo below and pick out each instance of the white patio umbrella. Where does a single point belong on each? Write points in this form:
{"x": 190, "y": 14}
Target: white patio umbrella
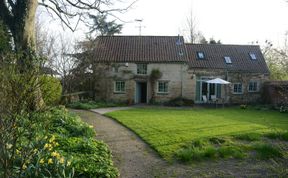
{"x": 218, "y": 81}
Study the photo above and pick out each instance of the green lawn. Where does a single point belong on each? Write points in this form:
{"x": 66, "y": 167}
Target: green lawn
{"x": 167, "y": 130}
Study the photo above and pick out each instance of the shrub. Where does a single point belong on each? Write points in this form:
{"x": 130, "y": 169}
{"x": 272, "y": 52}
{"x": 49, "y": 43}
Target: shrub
{"x": 90, "y": 158}
{"x": 86, "y": 105}
{"x": 284, "y": 109}
{"x": 63, "y": 146}
{"x": 179, "y": 102}
{"x": 243, "y": 106}
{"x": 51, "y": 89}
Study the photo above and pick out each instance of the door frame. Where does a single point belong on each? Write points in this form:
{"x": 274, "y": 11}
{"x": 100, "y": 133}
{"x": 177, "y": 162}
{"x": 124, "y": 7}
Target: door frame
{"x": 136, "y": 99}
{"x": 203, "y": 79}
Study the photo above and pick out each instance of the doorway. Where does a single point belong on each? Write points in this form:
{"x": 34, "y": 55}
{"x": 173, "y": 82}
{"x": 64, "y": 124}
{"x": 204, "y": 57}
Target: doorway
{"x": 141, "y": 92}
{"x": 207, "y": 89}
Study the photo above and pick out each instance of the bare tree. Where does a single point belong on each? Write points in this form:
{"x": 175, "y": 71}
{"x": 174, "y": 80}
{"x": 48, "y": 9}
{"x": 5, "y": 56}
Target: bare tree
{"x": 191, "y": 26}
{"x": 19, "y": 17}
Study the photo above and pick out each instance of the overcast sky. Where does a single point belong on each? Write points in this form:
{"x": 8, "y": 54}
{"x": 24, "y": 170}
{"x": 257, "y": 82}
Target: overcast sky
{"x": 231, "y": 21}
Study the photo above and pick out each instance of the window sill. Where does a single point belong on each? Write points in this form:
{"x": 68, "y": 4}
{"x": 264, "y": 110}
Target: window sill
{"x": 160, "y": 93}
{"x": 237, "y": 93}
{"x": 253, "y": 91}
{"x": 119, "y": 92}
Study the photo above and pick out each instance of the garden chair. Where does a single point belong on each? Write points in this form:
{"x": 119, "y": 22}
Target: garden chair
{"x": 204, "y": 97}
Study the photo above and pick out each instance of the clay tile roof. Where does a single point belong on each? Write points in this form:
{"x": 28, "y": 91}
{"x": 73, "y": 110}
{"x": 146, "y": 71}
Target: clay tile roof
{"x": 140, "y": 49}
{"x": 239, "y": 54}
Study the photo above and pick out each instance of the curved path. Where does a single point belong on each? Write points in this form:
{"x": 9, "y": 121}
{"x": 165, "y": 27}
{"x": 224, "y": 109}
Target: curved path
{"x": 133, "y": 157}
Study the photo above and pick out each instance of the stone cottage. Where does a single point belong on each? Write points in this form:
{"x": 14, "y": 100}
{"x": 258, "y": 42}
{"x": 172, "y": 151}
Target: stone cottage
{"x": 126, "y": 64}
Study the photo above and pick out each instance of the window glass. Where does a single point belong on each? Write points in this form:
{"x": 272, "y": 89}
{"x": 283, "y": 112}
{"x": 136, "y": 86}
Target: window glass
{"x": 237, "y": 88}
{"x": 200, "y": 55}
{"x": 163, "y": 87}
{"x": 142, "y": 69}
{"x": 253, "y": 86}
{"x": 119, "y": 86}
{"x": 253, "y": 56}
{"x": 227, "y": 60}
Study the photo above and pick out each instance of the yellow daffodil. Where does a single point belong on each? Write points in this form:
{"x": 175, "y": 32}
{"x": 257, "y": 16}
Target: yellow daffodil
{"x": 90, "y": 126}
{"x": 41, "y": 161}
{"x": 46, "y": 145}
{"x": 68, "y": 163}
{"x": 61, "y": 160}
{"x": 24, "y": 166}
{"x": 54, "y": 153}
{"x": 17, "y": 152}
{"x": 9, "y": 146}
{"x": 52, "y": 139}
{"x": 50, "y": 161}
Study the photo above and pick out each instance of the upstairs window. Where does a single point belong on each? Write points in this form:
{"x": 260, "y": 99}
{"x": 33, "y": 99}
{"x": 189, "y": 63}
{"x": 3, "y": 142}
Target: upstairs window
{"x": 227, "y": 60}
{"x": 237, "y": 88}
{"x": 163, "y": 87}
{"x": 253, "y": 56}
{"x": 253, "y": 86}
{"x": 200, "y": 55}
{"x": 142, "y": 69}
{"x": 119, "y": 87}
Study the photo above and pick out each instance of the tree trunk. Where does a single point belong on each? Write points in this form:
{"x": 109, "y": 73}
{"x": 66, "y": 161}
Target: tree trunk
{"x": 23, "y": 32}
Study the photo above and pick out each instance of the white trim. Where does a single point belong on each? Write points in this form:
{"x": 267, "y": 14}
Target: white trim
{"x": 238, "y": 93}
{"x": 141, "y": 64}
{"x": 165, "y": 81}
{"x": 115, "y": 91}
{"x": 257, "y": 86}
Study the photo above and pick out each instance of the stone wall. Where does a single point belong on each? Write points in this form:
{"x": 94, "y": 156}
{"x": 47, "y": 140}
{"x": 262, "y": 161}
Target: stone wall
{"x": 180, "y": 82}
{"x": 235, "y": 77}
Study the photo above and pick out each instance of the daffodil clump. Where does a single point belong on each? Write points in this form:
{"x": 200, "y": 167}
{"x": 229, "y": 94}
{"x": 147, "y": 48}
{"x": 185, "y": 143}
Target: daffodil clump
{"x": 63, "y": 146}
{"x": 46, "y": 161}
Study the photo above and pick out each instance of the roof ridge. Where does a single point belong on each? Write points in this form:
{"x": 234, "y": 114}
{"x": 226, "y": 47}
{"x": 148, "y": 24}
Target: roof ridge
{"x": 199, "y": 44}
{"x": 141, "y": 36}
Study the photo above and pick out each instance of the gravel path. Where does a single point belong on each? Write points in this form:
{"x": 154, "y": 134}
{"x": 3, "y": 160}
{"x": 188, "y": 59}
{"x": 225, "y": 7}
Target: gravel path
{"x": 133, "y": 157}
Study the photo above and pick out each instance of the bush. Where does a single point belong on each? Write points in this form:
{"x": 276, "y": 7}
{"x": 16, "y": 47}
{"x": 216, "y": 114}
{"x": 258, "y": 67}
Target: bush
{"x": 63, "y": 146}
{"x": 90, "y": 158}
{"x": 86, "y": 105}
{"x": 179, "y": 102}
{"x": 284, "y": 109}
{"x": 243, "y": 106}
{"x": 51, "y": 89}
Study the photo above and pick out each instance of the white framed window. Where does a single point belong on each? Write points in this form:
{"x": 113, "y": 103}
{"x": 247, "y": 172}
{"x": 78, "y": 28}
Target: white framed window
{"x": 253, "y": 86}
{"x": 200, "y": 55}
{"x": 253, "y": 56}
{"x": 163, "y": 86}
{"x": 119, "y": 86}
{"x": 142, "y": 69}
{"x": 227, "y": 60}
{"x": 237, "y": 88}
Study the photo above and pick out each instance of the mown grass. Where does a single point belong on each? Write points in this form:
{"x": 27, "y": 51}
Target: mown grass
{"x": 174, "y": 132}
